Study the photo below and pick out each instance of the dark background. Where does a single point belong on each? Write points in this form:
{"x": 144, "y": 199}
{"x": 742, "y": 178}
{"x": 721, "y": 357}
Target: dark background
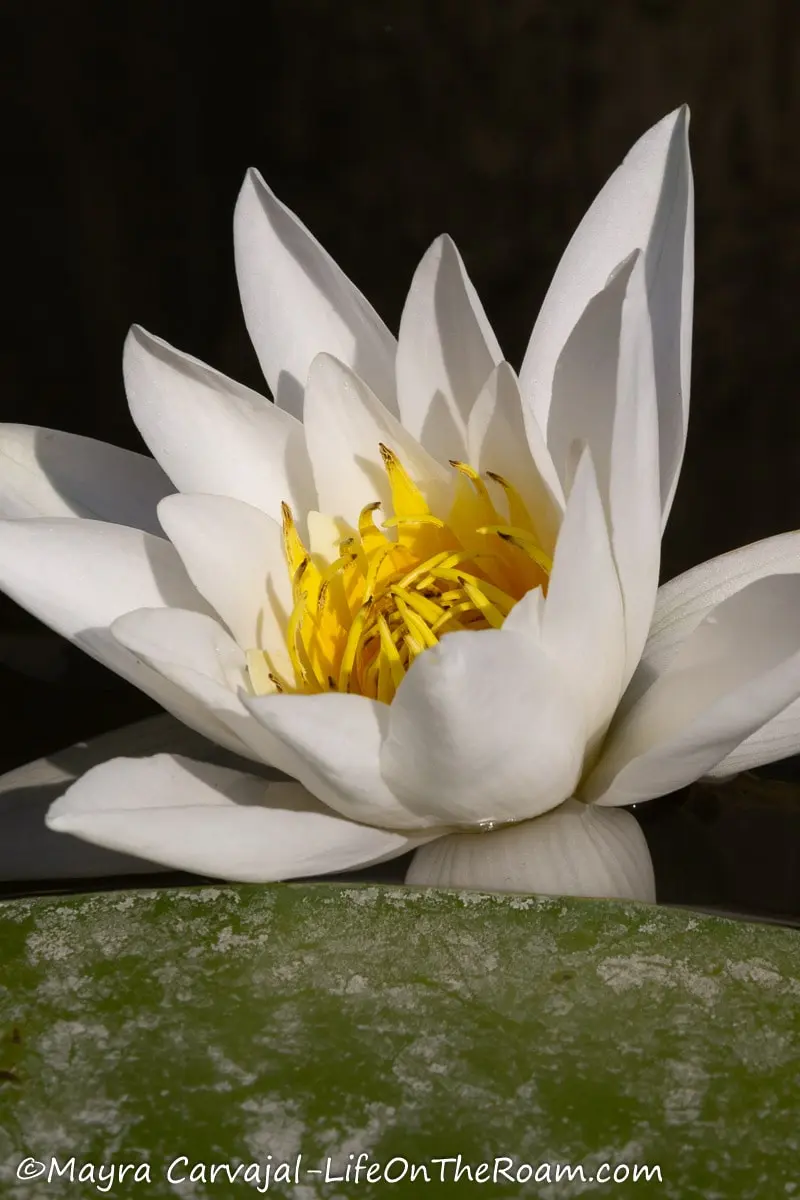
{"x": 383, "y": 123}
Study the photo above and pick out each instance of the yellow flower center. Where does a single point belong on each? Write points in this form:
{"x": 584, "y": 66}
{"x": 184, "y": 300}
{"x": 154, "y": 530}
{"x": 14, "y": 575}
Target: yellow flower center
{"x": 359, "y": 621}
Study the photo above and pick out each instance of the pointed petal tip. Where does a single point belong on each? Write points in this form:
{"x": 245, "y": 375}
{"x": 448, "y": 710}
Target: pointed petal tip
{"x": 325, "y": 361}
{"x": 256, "y": 190}
{"x": 253, "y": 182}
{"x": 442, "y": 249}
{"x": 679, "y": 116}
{"x": 673, "y": 127}
{"x": 139, "y": 338}
{"x": 136, "y": 335}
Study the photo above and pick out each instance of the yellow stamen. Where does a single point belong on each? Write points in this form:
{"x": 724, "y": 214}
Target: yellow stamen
{"x": 426, "y": 608}
{"x": 262, "y": 678}
{"x": 517, "y": 511}
{"x": 407, "y": 499}
{"x": 492, "y": 614}
{"x": 351, "y": 646}
{"x": 371, "y": 537}
{"x": 389, "y": 652}
{"x": 293, "y": 547}
{"x": 359, "y": 621}
{"x": 524, "y": 541}
{"x": 474, "y": 478}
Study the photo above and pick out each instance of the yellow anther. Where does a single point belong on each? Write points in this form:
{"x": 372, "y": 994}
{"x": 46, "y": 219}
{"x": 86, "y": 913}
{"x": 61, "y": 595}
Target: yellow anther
{"x": 390, "y": 654}
{"x": 415, "y": 624}
{"x": 261, "y": 677}
{"x": 402, "y": 522}
{"x": 472, "y": 475}
{"x": 351, "y": 645}
{"x": 292, "y": 543}
{"x": 523, "y": 541}
{"x": 427, "y": 609}
{"x": 372, "y": 539}
{"x": 407, "y": 499}
{"x": 375, "y": 563}
{"x": 358, "y": 622}
{"x": 484, "y": 605}
{"x": 517, "y": 511}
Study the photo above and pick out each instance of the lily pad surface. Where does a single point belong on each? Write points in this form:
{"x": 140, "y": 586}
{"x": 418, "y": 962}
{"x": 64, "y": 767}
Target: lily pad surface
{"x": 296, "y": 1027}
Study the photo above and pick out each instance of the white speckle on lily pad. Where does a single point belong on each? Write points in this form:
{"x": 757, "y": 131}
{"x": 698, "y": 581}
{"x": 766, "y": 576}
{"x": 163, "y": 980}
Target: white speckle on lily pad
{"x": 328, "y": 1020}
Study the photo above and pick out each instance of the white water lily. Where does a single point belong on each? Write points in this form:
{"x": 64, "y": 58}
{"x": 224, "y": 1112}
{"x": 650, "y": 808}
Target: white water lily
{"x": 424, "y": 587}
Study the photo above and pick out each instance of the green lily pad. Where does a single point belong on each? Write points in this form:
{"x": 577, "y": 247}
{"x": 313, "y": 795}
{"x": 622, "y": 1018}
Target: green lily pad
{"x": 222, "y": 1025}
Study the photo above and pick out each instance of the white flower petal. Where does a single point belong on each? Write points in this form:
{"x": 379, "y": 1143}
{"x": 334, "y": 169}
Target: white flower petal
{"x": 325, "y": 534}
{"x": 738, "y": 670}
{"x": 78, "y": 576}
{"x": 190, "y": 639}
{"x": 527, "y": 615}
{"x": 191, "y": 652}
{"x": 634, "y": 500}
{"x": 682, "y": 604}
{"x": 345, "y": 424}
{"x": 298, "y": 303}
{"x": 234, "y": 555}
{"x": 583, "y": 627}
{"x": 574, "y": 850}
{"x": 29, "y": 850}
{"x": 445, "y": 352}
{"x": 212, "y": 435}
{"x": 45, "y": 473}
{"x": 503, "y": 439}
{"x": 604, "y": 391}
{"x": 777, "y": 739}
{"x": 336, "y": 739}
{"x": 648, "y": 205}
{"x": 195, "y": 816}
{"x": 483, "y": 728}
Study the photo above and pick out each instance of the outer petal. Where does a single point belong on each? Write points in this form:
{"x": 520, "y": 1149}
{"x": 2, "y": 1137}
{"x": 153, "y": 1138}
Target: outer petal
{"x": 605, "y": 395}
{"x": 44, "y": 473}
{"x": 192, "y": 652}
{"x": 503, "y": 439}
{"x": 298, "y": 303}
{"x": 445, "y": 353}
{"x": 29, "y": 850}
{"x": 777, "y": 739}
{"x": 682, "y": 604}
{"x": 483, "y": 729}
{"x": 647, "y": 204}
{"x": 345, "y": 423}
{"x": 234, "y": 555}
{"x": 78, "y": 576}
{"x": 213, "y": 435}
{"x": 216, "y": 821}
{"x": 336, "y": 740}
{"x": 324, "y": 741}
{"x": 738, "y": 670}
{"x": 575, "y": 850}
{"x": 583, "y": 627}
{"x": 687, "y": 599}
